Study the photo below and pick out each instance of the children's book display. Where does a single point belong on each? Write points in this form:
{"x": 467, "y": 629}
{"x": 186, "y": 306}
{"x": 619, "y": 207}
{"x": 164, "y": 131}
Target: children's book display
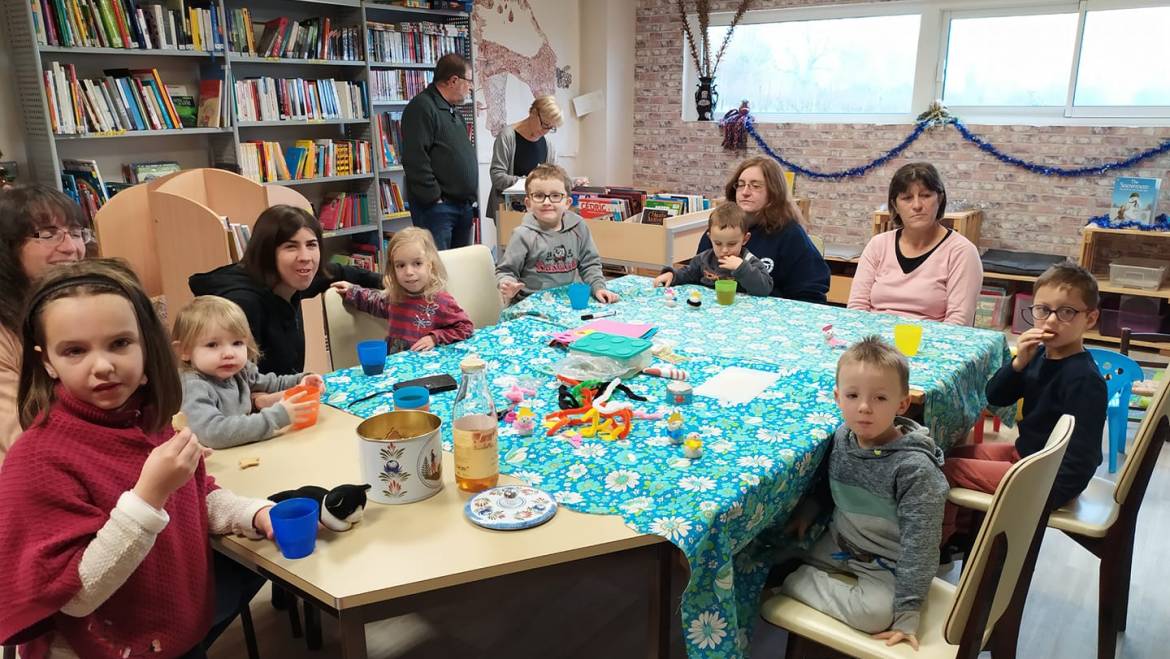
{"x": 1134, "y": 199}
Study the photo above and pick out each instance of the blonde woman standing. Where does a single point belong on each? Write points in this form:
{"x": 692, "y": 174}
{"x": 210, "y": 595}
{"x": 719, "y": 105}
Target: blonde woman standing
{"x": 521, "y": 147}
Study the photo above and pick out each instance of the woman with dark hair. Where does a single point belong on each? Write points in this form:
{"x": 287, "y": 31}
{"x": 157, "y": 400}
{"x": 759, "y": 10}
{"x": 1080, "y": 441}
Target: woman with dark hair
{"x": 923, "y": 269}
{"x": 282, "y": 265}
{"x": 777, "y": 238}
{"x": 39, "y": 228}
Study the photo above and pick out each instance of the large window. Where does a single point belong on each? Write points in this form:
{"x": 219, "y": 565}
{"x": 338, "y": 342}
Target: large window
{"x": 1042, "y": 61}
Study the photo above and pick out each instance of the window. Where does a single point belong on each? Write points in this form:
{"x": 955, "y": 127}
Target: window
{"x": 991, "y": 61}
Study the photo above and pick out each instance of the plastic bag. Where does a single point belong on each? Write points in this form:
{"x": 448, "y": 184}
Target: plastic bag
{"x": 580, "y": 366}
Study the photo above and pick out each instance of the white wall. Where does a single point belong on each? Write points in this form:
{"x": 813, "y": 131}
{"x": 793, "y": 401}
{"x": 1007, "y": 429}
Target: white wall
{"x": 11, "y": 121}
{"x": 607, "y": 66}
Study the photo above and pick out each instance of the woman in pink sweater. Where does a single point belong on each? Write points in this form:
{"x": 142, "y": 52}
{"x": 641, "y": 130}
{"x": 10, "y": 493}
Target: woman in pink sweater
{"x": 923, "y": 269}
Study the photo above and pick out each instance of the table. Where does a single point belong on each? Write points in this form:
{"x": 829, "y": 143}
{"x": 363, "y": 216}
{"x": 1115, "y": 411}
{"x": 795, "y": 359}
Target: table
{"x": 399, "y": 555}
{"x": 951, "y": 369}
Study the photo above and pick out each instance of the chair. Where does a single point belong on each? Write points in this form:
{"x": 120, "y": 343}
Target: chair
{"x": 346, "y": 328}
{"x": 956, "y": 621}
{"x": 1119, "y": 372}
{"x": 1103, "y": 520}
{"x": 1127, "y": 336}
{"x": 471, "y": 280}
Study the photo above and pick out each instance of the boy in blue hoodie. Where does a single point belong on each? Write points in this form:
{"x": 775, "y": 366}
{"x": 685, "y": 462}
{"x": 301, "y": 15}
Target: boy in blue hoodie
{"x": 884, "y": 477}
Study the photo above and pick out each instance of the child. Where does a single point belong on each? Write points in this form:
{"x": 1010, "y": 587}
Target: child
{"x": 885, "y": 477}
{"x": 552, "y": 246}
{"x": 219, "y": 356}
{"x": 727, "y": 258}
{"x": 105, "y": 509}
{"x": 421, "y": 313}
{"x": 1055, "y": 376}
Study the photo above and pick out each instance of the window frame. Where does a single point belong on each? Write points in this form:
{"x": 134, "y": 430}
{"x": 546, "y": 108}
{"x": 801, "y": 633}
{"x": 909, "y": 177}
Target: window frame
{"x": 930, "y": 68}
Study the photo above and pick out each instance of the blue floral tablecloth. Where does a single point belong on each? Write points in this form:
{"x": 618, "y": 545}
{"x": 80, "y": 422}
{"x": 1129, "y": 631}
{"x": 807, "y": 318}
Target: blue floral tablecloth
{"x": 952, "y": 366}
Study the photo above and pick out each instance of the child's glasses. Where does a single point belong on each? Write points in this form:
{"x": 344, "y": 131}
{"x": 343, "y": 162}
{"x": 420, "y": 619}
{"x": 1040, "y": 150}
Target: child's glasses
{"x": 554, "y": 197}
{"x": 1042, "y": 312}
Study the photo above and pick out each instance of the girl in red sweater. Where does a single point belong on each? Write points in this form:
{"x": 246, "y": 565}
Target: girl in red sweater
{"x": 421, "y": 314}
{"x": 105, "y": 510}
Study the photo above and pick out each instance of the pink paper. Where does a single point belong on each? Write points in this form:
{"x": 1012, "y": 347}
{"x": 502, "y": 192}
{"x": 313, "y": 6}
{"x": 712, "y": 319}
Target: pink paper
{"x": 632, "y": 330}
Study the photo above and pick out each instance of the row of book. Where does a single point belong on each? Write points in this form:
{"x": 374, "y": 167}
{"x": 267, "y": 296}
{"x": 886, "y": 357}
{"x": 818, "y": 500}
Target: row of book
{"x": 416, "y": 43}
{"x": 238, "y": 236}
{"x": 306, "y": 38}
{"x": 141, "y": 172}
{"x": 389, "y": 126}
{"x": 123, "y": 100}
{"x": 341, "y": 210}
{"x": 398, "y": 84}
{"x": 360, "y": 255}
{"x": 82, "y": 181}
{"x": 280, "y": 99}
{"x": 658, "y": 207}
{"x": 265, "y": 161}
{"x": 391, "y": 197}
{"x": 607, "y": 203}
{"x": 120, "y": 24}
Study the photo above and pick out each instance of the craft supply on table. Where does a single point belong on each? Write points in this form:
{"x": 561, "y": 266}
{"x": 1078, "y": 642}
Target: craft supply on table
{"x": 669, "y": 297}
{"x": 599, "y": 314}
{"x": 511, "y": 508}
{"x": 679, "y": 393}
{"x": 525, "y": 422}
{"x": 412, "y": 398}
{"x": 294, "y": 526}
{"x": 665, "y": 371}
{"x": 693, "y": 447}
{"x": 401, "y": 456}
{"x": 674, "y": 427}
{"x": 372, "y": 356}
{"x": 737, "y": 385}
{"x": 695, "y": 300}
{"x": 831, "y": 337}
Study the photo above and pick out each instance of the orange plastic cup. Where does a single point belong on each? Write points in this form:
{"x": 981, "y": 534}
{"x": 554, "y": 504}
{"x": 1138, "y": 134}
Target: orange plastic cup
{"x": 314, "y": 394}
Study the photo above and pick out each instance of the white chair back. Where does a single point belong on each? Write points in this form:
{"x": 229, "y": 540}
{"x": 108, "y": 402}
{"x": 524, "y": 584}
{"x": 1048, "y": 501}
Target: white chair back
{"x": 471, "y": 280}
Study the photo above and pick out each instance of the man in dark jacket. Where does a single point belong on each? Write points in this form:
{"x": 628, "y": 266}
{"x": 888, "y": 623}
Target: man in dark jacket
{"x": 442, "y": 175}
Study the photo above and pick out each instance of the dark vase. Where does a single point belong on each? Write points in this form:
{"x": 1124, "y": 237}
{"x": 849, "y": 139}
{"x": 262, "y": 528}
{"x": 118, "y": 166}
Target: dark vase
{"x": 705, "y": 98}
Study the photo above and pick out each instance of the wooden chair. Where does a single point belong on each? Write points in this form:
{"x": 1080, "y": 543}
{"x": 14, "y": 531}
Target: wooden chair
{"x": 957, "y": 622}
{"x": 1102, "y": 520}
{"x": 471, "y": 280}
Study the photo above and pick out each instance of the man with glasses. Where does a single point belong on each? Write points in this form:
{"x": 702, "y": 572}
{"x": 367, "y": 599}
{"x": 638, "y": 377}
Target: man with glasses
{"x": 442, "y": 179}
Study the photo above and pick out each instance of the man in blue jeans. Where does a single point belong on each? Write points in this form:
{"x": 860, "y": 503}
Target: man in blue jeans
{"x": 442, "y": 175}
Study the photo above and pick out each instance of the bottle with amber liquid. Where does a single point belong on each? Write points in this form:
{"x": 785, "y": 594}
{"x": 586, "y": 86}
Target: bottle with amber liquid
{"x": 475, "y": 430}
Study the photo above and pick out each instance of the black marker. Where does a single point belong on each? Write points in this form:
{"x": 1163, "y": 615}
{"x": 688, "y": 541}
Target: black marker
{"x": 600, "y": 314}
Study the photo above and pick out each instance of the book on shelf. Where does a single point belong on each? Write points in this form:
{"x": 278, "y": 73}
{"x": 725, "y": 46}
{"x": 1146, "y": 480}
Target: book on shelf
{"x": 237, "y": 238}
{"x": 82, "y": 180}
{"x": 125, "y": 24}
{"x": 389, "y": 125}
{"x": 341, "y": 210}
{"x": 306, "y": 38}
{"x": 414, "y": 42}
{"x": 141, "y": 172}
{"x": 389, "y": 85}
{"x": 298, "y": 99}
{"x": 390, "y": 196}
{"x": 122, "y": 100}
{"x": 603, "y": 208}
{"x": 212, "y": 106}
{"x": 184, "y": 104}
{"x": 265, "y": 161}
{"x": 1135, "y": 199}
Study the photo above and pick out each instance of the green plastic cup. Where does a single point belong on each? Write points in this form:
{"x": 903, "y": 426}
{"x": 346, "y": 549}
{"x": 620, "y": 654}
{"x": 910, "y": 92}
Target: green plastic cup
{"x": 725, "y": 291}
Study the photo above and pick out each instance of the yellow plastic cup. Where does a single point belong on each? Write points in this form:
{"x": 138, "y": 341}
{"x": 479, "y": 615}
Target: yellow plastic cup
{"x": 908, "y": 338}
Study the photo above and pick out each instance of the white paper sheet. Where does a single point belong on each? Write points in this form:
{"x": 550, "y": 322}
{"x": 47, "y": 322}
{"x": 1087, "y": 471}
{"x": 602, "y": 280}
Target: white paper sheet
{"x": 737, "y": 385}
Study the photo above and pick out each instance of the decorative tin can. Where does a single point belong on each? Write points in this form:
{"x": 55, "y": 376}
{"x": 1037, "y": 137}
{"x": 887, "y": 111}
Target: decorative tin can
{"x": 401, "y": 456}
{"x": 679, "y": 393}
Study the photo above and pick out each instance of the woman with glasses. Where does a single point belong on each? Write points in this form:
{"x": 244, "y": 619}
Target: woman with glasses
{"x": 922, "y": 269}
{"x": 39, "y": 228}
{"x": 777, "y": 238}
{"x": 521, "y": 147}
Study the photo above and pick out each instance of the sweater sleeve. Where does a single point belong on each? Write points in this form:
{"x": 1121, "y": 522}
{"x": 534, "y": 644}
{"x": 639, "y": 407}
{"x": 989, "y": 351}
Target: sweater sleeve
{"x": 418, "y": 127}
{"x": 331, "y": 272}
{"x": 269, "y": 382}
{"x": 964, "y": 281}
{"x": 1086, "y": 398}
{"x": 503, "y": 152}
{"x": 511, "y": 264}
{"x": 115, "y": 552}
{"x": 753, "y": 278}
{"x": 9, "y": 382}
{"x": 805, "y": 275}
{"x": 218, "y": 430}
{"x": 589, "y": 262}
{"x": 451, "y": 322}
{"x": 692, "y": 272}
{"x": 921, "y": 494}
{"x": 867, "y": 267}
{"x": 369, "y": 300}
{"x": 1006, "y": 387}
{"x": 228, "y": 512}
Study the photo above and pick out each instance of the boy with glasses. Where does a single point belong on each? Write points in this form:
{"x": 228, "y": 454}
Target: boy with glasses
{"x": 552, "y": 246}
{"x": 1054, "y": 376}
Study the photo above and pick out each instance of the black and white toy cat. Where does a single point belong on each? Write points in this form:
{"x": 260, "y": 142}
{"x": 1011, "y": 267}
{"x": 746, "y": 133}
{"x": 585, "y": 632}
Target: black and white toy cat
{"x": 341, "y": 507}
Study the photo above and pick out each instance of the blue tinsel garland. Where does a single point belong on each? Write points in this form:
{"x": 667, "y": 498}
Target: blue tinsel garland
{"x": 942, "y": 119}
{"x": 1161, "y": 223}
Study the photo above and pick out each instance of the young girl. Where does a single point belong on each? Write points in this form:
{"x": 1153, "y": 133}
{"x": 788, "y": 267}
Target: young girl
{"x": 105, "y": 509}
{"x": 422, "y": 314}
{"x": 219, "y": 356}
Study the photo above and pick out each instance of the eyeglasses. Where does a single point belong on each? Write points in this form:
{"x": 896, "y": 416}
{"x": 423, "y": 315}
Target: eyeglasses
{"x": 755, "y": 186}
{"x": 548, "y": 127}
{"x": 554, "y": 197}
{"x": 1042, "y": 312}
{"x": 56, "y": 235}
{"x": 467, "y": 78}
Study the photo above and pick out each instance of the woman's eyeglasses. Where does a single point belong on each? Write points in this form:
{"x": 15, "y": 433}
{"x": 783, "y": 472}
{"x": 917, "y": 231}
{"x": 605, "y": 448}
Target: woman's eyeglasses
{"x": 55, "y": 235}
{"x": 756, "y": 186}
{"x": 547, "y": 127}
{"x": 554, "y": 197}
{"x": 1041, "y": 312}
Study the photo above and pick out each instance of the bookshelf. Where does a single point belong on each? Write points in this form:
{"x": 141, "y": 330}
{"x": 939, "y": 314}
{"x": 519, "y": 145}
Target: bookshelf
{"x": 203, "y": 146}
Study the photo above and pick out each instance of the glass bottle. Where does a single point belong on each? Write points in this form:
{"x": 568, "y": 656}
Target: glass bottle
{"x": 475, "y": 430}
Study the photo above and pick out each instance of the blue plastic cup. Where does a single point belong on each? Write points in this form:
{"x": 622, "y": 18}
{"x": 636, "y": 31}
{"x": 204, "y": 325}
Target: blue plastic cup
{"x": 579, "y": 295}
{"x": 372, "y": 356}
{"x": 412, "y": 398}
{"x": 294, "y": 523}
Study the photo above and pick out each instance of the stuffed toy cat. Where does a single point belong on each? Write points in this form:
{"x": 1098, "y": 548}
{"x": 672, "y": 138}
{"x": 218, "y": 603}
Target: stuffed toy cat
{"x": 341, "y": 507}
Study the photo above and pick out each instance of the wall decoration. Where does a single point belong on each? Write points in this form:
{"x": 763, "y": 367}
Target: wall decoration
{"x": 706, "y": 63}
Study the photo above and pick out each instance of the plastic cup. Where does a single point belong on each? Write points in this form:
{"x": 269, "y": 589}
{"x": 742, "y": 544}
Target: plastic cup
{"x": 294, "y": 524}
{"x": 372, "y": 356}
{"x": 725, "y": 291}
{"x": 908, "y": 338}
{"x": 412, "y": 398}
{"x": 314, "y": 395}
{"x": 579, "y": 295}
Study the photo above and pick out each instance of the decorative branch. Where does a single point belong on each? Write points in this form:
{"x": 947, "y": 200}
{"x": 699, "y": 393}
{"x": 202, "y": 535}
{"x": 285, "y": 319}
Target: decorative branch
{"x": 743, "y": 7}
{"x": 704, "y": 63}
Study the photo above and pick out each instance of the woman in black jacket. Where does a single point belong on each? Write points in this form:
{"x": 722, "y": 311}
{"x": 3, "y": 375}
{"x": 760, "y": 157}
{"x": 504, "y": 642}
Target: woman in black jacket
{"x": 282, "y": 265}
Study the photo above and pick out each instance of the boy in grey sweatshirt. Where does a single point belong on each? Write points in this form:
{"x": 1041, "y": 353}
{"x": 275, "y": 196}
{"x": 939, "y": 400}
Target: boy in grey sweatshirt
{"x": 552, "y": 246}
{"x": 728, "y": 258}
{"x": 884, "y": 476}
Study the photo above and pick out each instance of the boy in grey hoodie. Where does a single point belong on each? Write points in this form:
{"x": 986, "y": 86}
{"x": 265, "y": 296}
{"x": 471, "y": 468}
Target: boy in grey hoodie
{"x": 728, "y": 258}
{"x": 552, "y": 246}
{"x": 885, "y": 479}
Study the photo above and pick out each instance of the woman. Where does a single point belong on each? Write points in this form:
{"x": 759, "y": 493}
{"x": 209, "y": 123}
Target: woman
{"x": 923, "y": 269}
{"x": 521, "y": 147}
{"x": 797, "y": 268}
{"x": 281, "y": 266}
{"x": 39, "y": 228}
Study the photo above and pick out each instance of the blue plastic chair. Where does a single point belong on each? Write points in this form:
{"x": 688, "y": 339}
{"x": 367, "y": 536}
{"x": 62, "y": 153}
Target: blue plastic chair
{"x": 1119, "y": 372}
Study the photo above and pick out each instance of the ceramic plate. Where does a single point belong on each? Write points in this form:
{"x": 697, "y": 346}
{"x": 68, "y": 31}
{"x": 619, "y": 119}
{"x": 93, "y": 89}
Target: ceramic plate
{"x": 511, "y": 508}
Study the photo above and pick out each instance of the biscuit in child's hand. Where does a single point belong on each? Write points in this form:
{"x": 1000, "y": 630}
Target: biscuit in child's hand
{"x": 179, "y": 421}
{"x": 246, "y": 463}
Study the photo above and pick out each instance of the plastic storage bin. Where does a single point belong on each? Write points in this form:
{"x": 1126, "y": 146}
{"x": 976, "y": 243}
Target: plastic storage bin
{"x": 1109, "y": 322}
{"x": 1141, "y": 314}
{"x": 992, "y": 308}
{"x": 1138, "y": 273}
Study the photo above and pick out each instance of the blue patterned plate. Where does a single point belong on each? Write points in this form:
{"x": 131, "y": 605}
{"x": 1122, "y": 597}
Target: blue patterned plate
{"x": 511, "y": 508}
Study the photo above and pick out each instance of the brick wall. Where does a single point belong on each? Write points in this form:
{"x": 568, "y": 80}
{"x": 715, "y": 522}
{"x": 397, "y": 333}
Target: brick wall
{"x": 1023, "y": 210}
